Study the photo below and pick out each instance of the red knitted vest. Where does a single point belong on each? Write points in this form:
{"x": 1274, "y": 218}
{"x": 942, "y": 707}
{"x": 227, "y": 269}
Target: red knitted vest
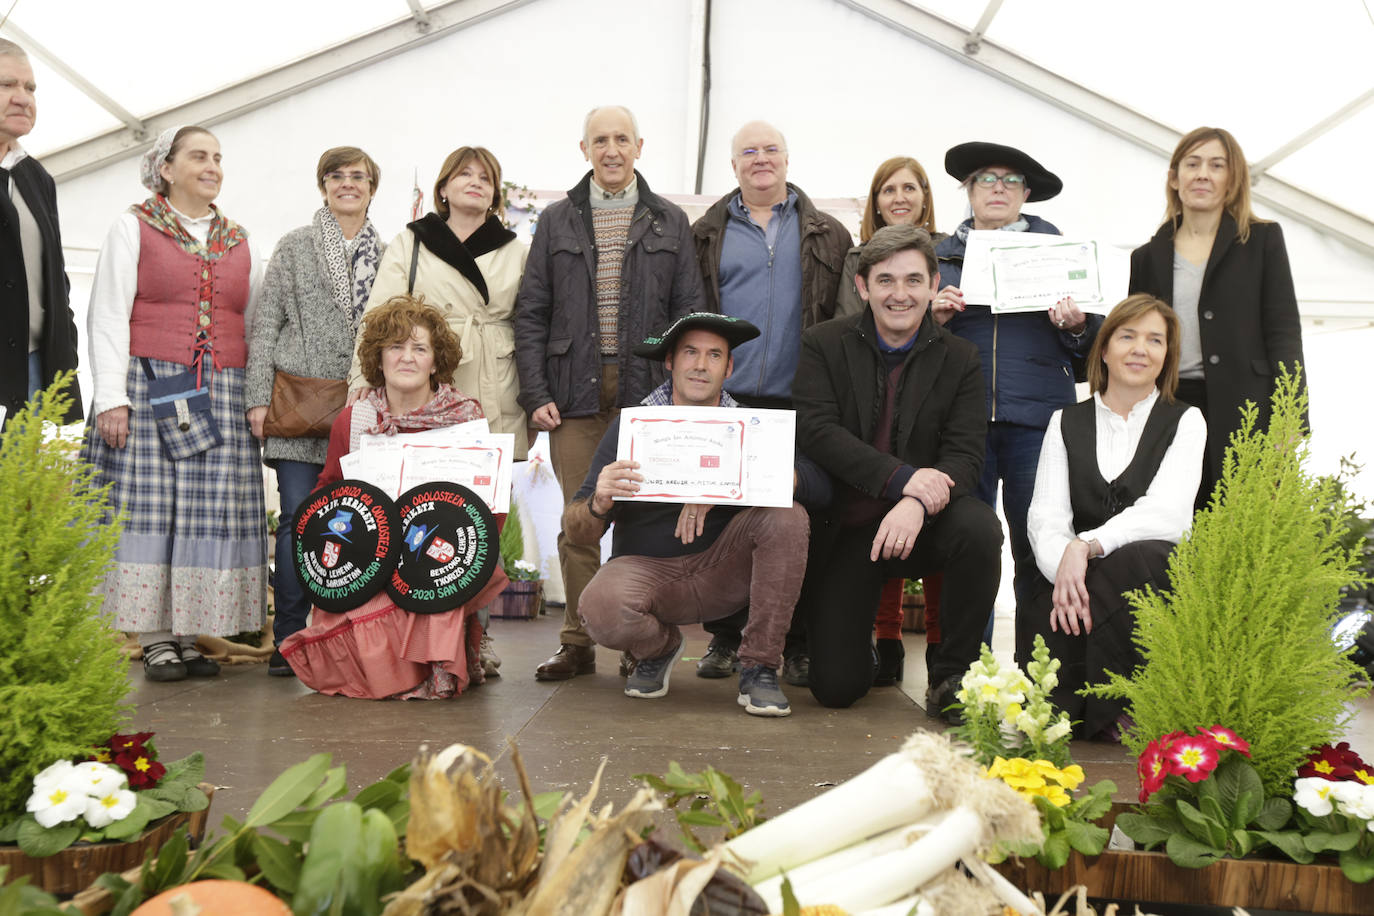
{"x": 171, "y": 286}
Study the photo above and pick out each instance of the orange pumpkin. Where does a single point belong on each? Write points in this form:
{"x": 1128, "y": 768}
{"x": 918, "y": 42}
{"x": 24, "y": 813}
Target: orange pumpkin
{"x": 214, "y": 898}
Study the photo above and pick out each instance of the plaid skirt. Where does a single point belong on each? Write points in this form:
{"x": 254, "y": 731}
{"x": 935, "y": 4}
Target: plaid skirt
{"x": 192, "y": 557}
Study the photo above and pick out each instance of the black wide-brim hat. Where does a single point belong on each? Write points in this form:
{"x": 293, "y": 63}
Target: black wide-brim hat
{"x": 735, "y": 331}
{"x": 963, "y": 160}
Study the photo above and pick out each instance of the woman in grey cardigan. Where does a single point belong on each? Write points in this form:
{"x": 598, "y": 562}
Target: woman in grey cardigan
{"x": 317, "y": 285}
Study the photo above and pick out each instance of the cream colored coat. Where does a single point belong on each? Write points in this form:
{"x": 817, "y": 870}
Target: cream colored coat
{"x": 487, "y": 370}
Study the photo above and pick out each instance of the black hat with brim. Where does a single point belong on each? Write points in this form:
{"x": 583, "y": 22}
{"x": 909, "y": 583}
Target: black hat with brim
{"x": 735, "y": 331}
{"x": 963, "y": 160}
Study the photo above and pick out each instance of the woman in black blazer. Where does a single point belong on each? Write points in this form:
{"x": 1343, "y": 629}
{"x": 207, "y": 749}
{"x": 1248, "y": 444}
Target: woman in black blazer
{"x": 1225, "y": 272}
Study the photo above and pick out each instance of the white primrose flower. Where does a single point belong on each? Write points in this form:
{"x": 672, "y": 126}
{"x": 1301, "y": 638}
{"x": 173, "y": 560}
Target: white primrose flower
{"x": 57, "y": 773}
{"x": 1314, "y": 795}
{"x": 1356, "y": 800}
{"x": 109, "y": 806}
{"x": 100, "y": 777}
{"x": 57, "y": 801}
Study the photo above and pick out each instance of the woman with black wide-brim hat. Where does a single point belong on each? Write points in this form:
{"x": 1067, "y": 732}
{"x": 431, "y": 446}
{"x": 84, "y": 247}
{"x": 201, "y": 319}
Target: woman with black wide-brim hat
{"x": 1028, "y": 358}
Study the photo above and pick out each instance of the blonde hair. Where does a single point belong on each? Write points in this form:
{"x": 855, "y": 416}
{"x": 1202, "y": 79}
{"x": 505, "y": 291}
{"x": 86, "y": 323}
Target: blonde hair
{"x": 1238, "y": 190}
{"x": 873, "y": 218}
{"x": 1129, "y": 309}
{"x": 455, "y": 161}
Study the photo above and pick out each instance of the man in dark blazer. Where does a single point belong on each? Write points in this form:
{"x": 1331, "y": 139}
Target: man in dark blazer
{"x": 38, "y": 335}
{"x": 892, "y": 405}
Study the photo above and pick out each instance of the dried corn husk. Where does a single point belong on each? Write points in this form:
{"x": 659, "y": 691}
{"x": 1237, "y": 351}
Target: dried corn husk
{"x": 583, "y": 880}
{"x": 480, "y": 855}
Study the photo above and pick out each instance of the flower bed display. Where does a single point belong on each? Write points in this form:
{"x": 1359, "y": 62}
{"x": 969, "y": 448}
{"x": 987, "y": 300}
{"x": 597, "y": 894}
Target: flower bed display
{"x": 76, "y": 867}
{"x": 1151, "y": 878}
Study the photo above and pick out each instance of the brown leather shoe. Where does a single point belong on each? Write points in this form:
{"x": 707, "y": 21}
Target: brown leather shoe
{"x": 568, "y": 662}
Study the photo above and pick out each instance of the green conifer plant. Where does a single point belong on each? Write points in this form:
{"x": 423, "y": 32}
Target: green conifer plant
{"x": 63, "y": 677}
{"x": 1244, "y": 638}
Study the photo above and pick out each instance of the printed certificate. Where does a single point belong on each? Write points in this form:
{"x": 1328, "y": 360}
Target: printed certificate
{"x": 1030, "y": 271}
{"x": 475, "y": 458}
{"x": 1033, "y": 278}
{"x": 719, "y": 455}
{"x": 482, "y": 464}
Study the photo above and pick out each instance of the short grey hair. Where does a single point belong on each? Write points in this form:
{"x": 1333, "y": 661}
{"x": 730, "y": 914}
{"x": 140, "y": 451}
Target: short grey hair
{"x": 587, "y": 121}
{"x": 734, "y": 141}
{"x": 10, "y": 49}
{"x": 891, "y": 240}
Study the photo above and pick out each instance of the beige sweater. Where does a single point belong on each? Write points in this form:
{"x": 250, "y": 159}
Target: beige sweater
{"x": 487, "y": 370}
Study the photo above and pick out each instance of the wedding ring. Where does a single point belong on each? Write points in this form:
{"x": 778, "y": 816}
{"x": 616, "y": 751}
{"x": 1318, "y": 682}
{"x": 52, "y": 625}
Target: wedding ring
{"x": 691, "y": 515}
{"x": 1060, "y": 322}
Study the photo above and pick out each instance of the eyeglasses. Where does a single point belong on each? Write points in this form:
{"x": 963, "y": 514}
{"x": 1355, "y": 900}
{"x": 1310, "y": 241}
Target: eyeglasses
{"x": 355, "y": 177}
{"x": 754, "y": 152}
{"x": 1011, "y": 182}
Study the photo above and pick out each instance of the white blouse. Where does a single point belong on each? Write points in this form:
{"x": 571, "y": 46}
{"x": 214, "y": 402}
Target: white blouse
{"x": 112, "y": 302}
{"x": 1163, "y": 513}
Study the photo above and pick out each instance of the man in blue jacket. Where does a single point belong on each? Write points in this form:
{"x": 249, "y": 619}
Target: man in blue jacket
{"x": 768, "y": 255}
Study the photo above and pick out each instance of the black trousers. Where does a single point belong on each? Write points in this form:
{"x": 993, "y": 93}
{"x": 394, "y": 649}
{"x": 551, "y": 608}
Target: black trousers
{"x": 1086, "y": 658}
{"x": 964, "y": 542}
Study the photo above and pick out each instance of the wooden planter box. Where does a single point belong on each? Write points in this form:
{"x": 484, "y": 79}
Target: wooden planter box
{"x": 914, "y": 613}
{"x": 519, "y": 601}
{"x": 77, "y": 866}
{"x": 1149, "y": 877}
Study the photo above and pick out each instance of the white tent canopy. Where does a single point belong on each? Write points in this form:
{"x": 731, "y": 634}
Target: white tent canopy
{"x": 1099, "y": 92}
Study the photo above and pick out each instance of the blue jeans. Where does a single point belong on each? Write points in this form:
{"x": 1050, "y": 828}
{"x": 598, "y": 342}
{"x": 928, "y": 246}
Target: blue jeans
{"x": 295, "y": 480}
{"x": 1013, "y": 452}
{"x": 35, "y": 373}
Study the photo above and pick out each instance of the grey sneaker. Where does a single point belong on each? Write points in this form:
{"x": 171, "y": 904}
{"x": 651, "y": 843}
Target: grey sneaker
{"x": 651, "y": 675}
{"x": 760, "y": 694}
{"x": 720, "y": 660}
{"x": 796, "y": 669}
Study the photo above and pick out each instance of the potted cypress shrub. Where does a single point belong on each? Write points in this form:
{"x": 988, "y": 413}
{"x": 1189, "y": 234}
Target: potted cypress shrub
{"x": 63, "y": 677}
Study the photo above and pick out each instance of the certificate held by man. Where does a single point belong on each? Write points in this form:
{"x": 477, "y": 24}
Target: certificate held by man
{"x": 721, "y": 455}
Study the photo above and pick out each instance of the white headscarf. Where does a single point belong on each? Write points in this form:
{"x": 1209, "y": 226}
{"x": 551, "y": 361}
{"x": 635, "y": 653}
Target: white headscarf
{"x": 150, "y": 170}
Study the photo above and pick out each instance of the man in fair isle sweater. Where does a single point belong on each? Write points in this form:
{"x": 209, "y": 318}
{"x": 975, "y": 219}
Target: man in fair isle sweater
{"x": 610, "y": 264}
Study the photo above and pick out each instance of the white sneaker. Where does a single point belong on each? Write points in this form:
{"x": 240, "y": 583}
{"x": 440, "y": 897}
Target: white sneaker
{"x": 491, "y": 662}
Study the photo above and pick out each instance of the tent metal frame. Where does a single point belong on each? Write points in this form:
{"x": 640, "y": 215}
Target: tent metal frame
{"x": 419, "y": 26}
{"x": 973, "y": 49}
{"x": 424, "y": 24}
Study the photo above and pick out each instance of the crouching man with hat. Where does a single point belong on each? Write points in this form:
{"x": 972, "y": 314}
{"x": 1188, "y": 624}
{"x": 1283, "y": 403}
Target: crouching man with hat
{"x": 677, "y": 564}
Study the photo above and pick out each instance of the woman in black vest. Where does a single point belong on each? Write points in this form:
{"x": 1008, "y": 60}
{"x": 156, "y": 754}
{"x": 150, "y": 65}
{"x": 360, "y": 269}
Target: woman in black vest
{"x": 1113, "y": 494}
